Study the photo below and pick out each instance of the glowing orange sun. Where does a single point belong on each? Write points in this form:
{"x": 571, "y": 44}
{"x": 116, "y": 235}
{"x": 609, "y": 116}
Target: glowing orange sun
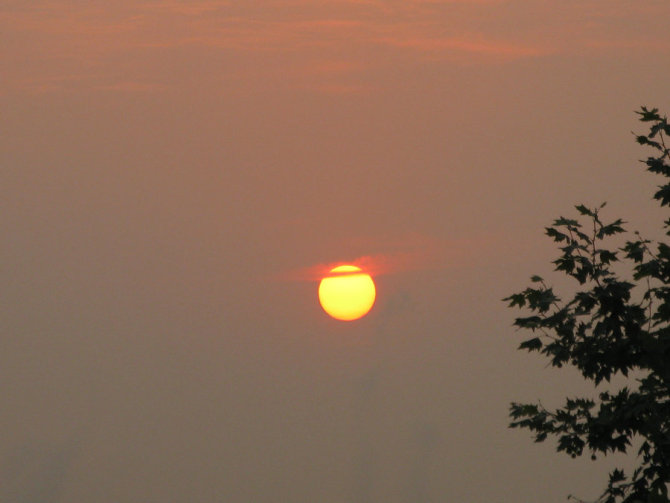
{"x": 347, "y": 293}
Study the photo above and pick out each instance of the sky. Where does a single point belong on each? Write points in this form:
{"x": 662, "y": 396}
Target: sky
{"x": 175, "y": 177}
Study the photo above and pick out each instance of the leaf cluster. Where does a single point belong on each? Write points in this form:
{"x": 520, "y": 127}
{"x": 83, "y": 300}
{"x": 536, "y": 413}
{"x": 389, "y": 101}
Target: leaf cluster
{"x": 610, "y": 326}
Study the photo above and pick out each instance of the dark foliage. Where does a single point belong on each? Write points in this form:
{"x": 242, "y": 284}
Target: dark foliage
{"x": 611, "y": 326}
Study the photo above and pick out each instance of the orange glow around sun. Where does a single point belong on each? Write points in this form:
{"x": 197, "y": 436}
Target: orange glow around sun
{"x": 347, "y": 293}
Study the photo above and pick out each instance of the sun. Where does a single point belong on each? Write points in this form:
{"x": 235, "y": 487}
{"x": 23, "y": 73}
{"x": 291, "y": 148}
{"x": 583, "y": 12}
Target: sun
{"x": 347, "y": 293}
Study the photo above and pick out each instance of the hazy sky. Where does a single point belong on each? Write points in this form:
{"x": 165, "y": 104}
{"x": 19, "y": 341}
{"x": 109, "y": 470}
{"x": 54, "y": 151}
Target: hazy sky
{"x": 174, "y": 176}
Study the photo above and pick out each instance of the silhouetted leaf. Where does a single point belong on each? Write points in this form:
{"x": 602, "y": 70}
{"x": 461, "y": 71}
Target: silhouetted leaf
{"x": 534, "y": 344}
{"x": 584, "y": 210}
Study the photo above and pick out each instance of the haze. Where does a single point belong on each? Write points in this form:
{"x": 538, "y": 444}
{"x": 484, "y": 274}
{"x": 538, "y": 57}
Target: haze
{"x": 173, "y": 173}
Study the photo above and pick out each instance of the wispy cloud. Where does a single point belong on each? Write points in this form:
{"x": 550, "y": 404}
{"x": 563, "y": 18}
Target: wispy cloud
{"x": 465, "y": 44}
{"x": 131, "y": 37}
{"x": 132, "y": 87}
{"x": 414, "y": 252}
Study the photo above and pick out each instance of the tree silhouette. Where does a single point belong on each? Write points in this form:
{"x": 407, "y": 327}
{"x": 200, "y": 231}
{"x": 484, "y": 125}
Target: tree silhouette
{"x": 612, "y": 325}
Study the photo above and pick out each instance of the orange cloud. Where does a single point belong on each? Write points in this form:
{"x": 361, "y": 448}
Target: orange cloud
{"x": 132, "y": 87}
{"x": 113, "y": 42}
{"x": 414, "y": 253}
{"x": 465, "y": 44}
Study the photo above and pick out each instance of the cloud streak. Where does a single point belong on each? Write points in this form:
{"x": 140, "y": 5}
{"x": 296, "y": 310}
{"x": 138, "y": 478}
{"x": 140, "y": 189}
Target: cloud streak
{"x": 413, "y": 253}
{"x": 246, "y": 38}
{"x": 450, "y": 45}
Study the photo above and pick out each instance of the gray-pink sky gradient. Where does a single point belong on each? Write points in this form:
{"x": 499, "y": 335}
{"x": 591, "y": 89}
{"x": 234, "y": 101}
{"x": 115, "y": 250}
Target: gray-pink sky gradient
{"x": 175, "y": 175}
